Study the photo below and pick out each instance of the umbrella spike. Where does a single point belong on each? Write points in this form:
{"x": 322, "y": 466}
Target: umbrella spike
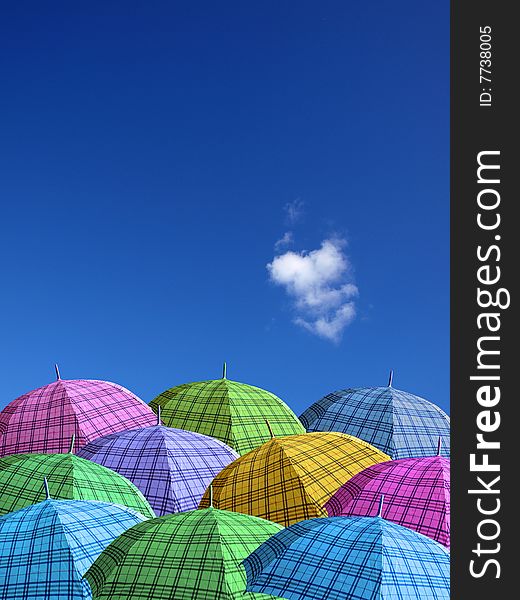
{"x": 211, "y": 495}
{"x": 158, "y": 414}
{"x": 380, "y": 509}
{"x": 72, "y": 441}
{"x": 439, "y": 446}
{"x": 224, "y": 370}
{"x": 46, "y": 487}
{"x": 390, "y": 378}
{"x": 57, "y": 369}
{"x": 270, "y": 428}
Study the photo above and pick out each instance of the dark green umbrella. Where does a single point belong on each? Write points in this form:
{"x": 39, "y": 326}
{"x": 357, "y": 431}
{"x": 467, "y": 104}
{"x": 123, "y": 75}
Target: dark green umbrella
{"x": 228, "y": 410}
{"x": 70, "y": 478}
{"x": 195, "y": 555}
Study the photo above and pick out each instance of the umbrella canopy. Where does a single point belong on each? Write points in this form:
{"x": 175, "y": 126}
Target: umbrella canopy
{"x": 70, "y": 478}
{"x": 171, "y": 467}
{"x": 186, "y": 556}
{"x": 416, "y": 491}
{"x": 337, "y": 558}
{"x": 46, "y": 548}
{"x": 45, "y": 419}
{"x": 289, "y": 479}
{"x": 399, "y": 423}
{"x": 230, "y": 411}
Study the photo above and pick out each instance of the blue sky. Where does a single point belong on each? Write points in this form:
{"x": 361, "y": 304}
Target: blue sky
{"x": 152, "y": 155}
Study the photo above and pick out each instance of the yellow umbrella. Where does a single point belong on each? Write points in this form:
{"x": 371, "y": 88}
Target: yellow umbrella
{"x": 289, "y": 479}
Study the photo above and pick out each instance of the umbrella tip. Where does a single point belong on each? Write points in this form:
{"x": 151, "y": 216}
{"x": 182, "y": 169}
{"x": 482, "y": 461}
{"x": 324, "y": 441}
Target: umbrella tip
{"x": 57, "y": 369}
{"x": 158, "y": 414}
{"x": 391, "y": 378}
{"x": 224, "y": 371}
{"x": 270, "y": 429}
{"x": 439, "y": 446}
{"x": 72, "y": 441}
{"x": 211, "y": 495}
{"x": 380, "y": 509}
{"x": 46, "y": 487}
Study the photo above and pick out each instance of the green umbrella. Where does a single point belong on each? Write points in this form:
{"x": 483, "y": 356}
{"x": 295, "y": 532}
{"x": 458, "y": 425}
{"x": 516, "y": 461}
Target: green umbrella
{"x": 230, "y": 411}
{"x": 70, "y": 478}
{"x": 186, "y": 556}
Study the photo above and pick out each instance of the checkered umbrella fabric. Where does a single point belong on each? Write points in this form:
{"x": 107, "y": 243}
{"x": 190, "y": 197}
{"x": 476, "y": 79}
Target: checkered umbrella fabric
{"x": 45, "y": 419}
{"x": 69, "y": 477}
{"x": 359, "y": 558}
{"x": 194, "y": 555}
{"x": 399, "y": 423}
{"x": 230, "y": 411}
{"x": 416, "y": 492}
{"x": 171, "y": 467}
{"x": 46, "y": 548}
{"x": 289, "y": 479}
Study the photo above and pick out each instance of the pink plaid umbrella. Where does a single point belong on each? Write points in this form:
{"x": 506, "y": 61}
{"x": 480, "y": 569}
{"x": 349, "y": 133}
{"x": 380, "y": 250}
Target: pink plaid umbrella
{"x": 416, "y": 491}
{"x": 45, "y": 419}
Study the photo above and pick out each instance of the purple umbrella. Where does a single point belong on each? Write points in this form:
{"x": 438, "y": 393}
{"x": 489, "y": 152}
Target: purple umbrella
{"x": 171, "y": 467}
{"x": 416, "y": 491}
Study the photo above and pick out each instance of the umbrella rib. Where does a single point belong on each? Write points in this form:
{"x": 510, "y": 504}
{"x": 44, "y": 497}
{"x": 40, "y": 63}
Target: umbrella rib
{"x": 305, "y": 493}
{"x": 230, "y": 593}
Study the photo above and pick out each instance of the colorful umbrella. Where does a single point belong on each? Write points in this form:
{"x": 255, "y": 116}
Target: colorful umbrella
{"x": 46, "y": 548}
{"x": 416, "y": 491}
{"x": 45, "y": 419}
{"x": 230, "y": 411}
{"x": 70, "y": 478}
{"x": 194, "y": 555}
{"x": 339, "y": 558}
{"x": 289, "y": 479}
{"x": 172, "y": 467}
{"x": 401, "y": 424}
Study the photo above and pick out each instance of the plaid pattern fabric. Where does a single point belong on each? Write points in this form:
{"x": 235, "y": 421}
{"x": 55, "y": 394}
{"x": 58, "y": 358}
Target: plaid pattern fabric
{"x": 45, "y": 419}
{"x": 230, "y": 411}
{"x": 416, "y": 493}
{"x": 401, "y": 424}
{"x": 69, "y": 477}
{"x": 46, "y": 548}
{"x": 289, "y": 479}
{"x": 186, "y": 556}
{"x": 359, "y": 558}
{"x": 171, "y": 467}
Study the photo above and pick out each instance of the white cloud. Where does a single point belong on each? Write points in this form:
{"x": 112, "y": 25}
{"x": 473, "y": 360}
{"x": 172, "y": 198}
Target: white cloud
{"x": 320, "y": 284}
{"x": 294, "y": 211}
{"x": 286, "y": 239}
{"x": 330, "y": 327}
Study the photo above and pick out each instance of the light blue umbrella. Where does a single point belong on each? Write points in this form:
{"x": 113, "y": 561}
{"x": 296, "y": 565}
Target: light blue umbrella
{"x": 340, "y": 558}
{"x": 400, "y": 424}
{"x": 46, "y": 548}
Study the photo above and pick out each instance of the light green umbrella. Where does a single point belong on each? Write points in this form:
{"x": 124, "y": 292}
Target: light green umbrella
{"x": 228, "y": 410}
{"x": 195, "y": 555}
{"x": 70, "y": 478}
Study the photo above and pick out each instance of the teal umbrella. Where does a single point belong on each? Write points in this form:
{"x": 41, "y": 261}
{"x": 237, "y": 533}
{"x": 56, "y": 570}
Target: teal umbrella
{"x": 46, "y": 548}
{"x": 349, "y": 558}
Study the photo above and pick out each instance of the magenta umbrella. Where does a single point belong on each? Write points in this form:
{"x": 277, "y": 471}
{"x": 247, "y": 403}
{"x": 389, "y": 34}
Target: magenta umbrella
{"x": 416, "y": 491}
{"x": 45, "y": 419}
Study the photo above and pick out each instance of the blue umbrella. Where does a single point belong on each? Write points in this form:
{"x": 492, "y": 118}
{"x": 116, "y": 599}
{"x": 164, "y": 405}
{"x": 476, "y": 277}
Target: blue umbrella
{"x": 356, "y": 558}
{"x": 400, "y": 424}
{"x": 46, "y": 548}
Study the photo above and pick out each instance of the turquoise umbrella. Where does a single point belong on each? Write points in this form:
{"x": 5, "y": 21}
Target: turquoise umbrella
{"x": 46, "y": 548}
{"x": 356, "y": 558}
